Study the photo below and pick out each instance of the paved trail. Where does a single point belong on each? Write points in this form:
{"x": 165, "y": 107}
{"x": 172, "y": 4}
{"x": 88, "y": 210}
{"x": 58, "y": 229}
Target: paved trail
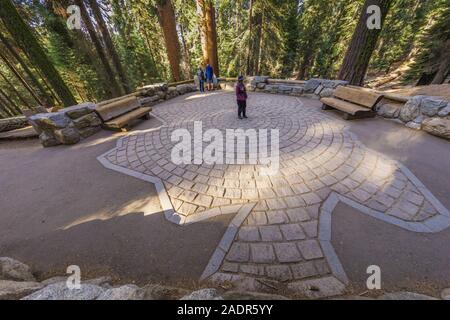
{"x": 139, "y": 216}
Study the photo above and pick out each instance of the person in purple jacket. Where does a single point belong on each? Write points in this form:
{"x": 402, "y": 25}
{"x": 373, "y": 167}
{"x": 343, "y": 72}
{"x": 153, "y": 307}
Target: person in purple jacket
{"x": 241, "y": 96}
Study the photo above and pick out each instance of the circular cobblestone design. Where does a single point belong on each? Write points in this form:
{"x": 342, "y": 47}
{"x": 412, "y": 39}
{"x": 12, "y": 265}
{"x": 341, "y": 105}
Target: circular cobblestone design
{"x": 278, "y": 240}
{"x": 317, "y": 156}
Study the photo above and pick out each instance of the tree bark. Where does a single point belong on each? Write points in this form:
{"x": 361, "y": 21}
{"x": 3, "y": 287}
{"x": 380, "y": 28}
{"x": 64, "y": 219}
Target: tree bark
{"x": 444, "y": 66}
{"x": 362, "y": 45}
{"x": 110, "y": 45}
{"x": 98, "y": 47}
{"x": 166, "y": 17}
{"x": 207, "y": 17}
{"x": 23, "y": 35}
{"x": 250, "y": 39}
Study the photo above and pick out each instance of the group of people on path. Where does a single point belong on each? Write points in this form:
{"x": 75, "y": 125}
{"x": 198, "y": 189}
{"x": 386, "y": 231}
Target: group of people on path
{"x": 241, "y": 92}
{"x": 206, "y": 76}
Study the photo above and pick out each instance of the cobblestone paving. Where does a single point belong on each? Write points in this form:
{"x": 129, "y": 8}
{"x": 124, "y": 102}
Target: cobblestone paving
{"x": 278, "y": 240}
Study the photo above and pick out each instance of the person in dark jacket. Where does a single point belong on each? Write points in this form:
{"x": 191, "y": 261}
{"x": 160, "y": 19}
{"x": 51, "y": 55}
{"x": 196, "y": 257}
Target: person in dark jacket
{"x": 241, "y": 97}
{"x": 209, "y": 74}
{"x": 201, "y": 79}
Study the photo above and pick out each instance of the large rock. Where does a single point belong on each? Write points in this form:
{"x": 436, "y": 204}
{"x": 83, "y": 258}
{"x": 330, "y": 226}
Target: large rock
{"x": 312, "y": 84}
{"x": 89, "y": 131}
{"x": 159, "y": 292}
{"x": 10, "y": 290}
{"x": 88, "y": 120}
{"x": 271, "y": 88}
{"x": 318, "y": 90}
{"x": 48, "y": 140}
{"x": 437, "y": 126}
{"x": 333, "y": 83}
{"x": 326, "y": 92}
{"x": 260, "y": 85}
{"x": 432, "y": 105}
{"x": 11, "y": 269}
{"x": 284, "y": 89}
{"x": 405, "y": 296}
{"x": 79, "y": 110}
{"x": 297, "y": 91}
{"x": 445, "y": 111}
{"x": 414, "y": 125}
{"x": 411, "y": 109}
{"x": 127, "y": 292}
{"x": 318, "y": 288}
{"x": 389, "y": 110}
{"x": 67, "y": 135}
{"x": 60, "y": 291}
{"x": 50, "y": 121}
{"x": 204, "y": 294}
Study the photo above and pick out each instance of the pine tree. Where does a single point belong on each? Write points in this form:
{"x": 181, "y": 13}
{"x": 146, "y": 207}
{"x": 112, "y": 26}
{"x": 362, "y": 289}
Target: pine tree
{"x": 28, "y": 42}
{"x": 166, "y": 16}
{"x": 363, "y": 44}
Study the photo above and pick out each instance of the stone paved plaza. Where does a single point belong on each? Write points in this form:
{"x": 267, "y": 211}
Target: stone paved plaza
{"x": 281, "y": 230}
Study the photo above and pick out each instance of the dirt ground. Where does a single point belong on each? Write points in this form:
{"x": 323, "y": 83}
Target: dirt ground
{"x": 439, "y": 90}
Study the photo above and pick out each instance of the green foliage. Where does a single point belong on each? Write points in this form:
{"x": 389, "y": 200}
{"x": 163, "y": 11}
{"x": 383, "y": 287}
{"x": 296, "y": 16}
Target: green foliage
{"x": 289, "y": 38}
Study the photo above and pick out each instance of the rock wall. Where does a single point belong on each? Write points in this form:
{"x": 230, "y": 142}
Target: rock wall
{"x": 17, "y": 281}
{"x": 10, "y": 124}
{"x": 153, "y": 94}
{"x": 314, "y": 88}
{"x": 431, "y": 114}
{"x": 68, "y": 126}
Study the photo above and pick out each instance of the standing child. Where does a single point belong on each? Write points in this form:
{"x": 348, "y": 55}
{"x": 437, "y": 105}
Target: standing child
{"x": 241, "y": 96}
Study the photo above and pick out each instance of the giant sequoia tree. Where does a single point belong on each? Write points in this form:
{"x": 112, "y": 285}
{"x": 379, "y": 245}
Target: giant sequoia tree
{"x": 25, "y": 38}
{"x": 166, "y": 16}
{"x": 363, "y": 44}
{"x": 207, "y": 21}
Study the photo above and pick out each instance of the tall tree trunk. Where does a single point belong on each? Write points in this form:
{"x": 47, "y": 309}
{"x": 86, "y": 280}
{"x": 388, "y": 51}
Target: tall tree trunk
{"x": 6, "y": 110}
{"x": 444, "y": 66}
{"x": 116, "y": 89}
{"x": 250, "y": 39}
{"x": 110, "y": 45}
{"x": 13, "y": 89}
{"x": 21, "y": 79}
{"x": 166, "y": 17}
{"x": 207, "y": 17}
{"x": 23, "y": 35}
{"x": 12, "y": 104}
{"x": 48, "y": 98}
{"x": 362, "y": 45}
{"x": 259, "y": 21}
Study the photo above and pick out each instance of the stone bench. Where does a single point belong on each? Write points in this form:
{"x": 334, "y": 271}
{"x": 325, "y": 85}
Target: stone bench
{"x": 117, "y": 114}
{"x": 355, "y": 103}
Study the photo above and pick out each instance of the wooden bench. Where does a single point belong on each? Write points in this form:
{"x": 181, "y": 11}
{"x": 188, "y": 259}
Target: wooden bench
{"x": 356, "y": 103}
{"x": 117, "y": 114}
